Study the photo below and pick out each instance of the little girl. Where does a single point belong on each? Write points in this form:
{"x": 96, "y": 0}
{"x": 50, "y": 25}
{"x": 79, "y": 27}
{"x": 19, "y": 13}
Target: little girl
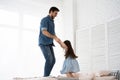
{"x": 70, "y": 66}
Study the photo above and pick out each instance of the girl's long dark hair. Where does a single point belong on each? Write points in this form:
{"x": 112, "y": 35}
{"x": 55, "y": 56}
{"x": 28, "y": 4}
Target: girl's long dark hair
{"x": 70, "y": 51}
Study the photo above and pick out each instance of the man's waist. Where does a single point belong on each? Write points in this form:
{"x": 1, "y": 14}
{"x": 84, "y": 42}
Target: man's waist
{"x": 50, "y": 44}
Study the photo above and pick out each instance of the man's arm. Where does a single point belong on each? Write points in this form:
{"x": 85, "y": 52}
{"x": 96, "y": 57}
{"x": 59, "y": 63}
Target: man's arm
{"x": 46, "y": 33}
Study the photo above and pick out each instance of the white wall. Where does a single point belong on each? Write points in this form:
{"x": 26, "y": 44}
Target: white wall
{"x": 69, "y": 14}
{"x": 97, "y": 34}
{"x": 92, "y": 26}
{"x": 20, "y": 55}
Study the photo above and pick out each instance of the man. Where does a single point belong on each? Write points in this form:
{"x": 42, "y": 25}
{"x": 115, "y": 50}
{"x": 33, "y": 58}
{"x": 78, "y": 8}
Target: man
{"x": 46, "y": 37}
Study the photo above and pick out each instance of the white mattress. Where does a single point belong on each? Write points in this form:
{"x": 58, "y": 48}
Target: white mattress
{"x": 35, "y": 78}
{"x": 64, "y": 78}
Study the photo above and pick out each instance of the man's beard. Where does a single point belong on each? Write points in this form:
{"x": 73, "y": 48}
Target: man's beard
{"x": 52, "y": 17}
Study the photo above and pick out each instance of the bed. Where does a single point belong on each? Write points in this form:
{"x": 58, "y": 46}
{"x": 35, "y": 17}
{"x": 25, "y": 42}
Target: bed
{"x": 114, "y": 75}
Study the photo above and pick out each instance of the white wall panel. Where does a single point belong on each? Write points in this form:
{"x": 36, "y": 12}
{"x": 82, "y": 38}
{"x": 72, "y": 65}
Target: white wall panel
{"x": 83, "y": 49}
{"x": 114, "y": 44}
{"x": 98, "y": 49}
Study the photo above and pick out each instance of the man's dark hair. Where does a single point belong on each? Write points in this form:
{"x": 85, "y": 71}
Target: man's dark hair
{"x": 53, "y": 9}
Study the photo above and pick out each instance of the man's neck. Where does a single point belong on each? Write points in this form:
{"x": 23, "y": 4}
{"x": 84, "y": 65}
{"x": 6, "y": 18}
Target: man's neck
{"x": 51, "y": 16}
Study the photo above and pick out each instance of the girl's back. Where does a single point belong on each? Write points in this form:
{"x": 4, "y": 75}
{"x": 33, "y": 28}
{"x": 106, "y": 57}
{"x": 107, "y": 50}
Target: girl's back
{"x": 70, "y": 64}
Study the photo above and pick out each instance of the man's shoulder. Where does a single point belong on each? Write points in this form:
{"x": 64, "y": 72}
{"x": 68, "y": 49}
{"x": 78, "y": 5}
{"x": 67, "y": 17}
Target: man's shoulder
{"x": 44, "y": 18}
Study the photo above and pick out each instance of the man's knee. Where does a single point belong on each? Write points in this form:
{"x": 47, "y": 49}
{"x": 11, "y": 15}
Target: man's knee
{"x": 51, "y": 60}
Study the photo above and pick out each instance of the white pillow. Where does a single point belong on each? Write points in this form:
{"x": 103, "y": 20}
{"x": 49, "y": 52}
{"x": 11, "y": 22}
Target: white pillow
{"x": 66, "y": 78}
{"x": 105, "y": 78}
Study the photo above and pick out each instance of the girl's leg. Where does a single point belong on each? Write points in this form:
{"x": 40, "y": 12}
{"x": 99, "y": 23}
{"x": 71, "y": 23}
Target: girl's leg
{"x": 73, "y": 75}
{"x": 69, "y": 74}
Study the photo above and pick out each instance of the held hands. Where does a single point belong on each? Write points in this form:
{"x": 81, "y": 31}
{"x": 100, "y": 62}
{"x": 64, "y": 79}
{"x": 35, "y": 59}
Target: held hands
{"x": 57, "y": 39}
{"x": 60, "y": 42}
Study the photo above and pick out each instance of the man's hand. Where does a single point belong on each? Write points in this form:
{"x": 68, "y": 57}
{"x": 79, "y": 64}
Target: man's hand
{"x": 57, "y": 39}
{"x": 46, "y": 33}
{"x": 60, "y": 42}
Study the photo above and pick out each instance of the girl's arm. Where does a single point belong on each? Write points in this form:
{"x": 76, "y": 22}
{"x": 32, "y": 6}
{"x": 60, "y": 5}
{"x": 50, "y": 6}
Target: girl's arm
{"x": 63, "y": 45}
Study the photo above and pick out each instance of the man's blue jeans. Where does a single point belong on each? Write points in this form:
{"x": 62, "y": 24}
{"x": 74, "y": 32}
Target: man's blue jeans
{"x": 48, "y": 53}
